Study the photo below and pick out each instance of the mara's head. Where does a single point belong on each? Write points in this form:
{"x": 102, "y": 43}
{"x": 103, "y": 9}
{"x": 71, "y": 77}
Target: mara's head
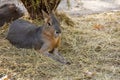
{"x": 51, "y": 24}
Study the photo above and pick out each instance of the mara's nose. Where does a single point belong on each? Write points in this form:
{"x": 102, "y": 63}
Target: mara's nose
{"x": 58, "y": 32}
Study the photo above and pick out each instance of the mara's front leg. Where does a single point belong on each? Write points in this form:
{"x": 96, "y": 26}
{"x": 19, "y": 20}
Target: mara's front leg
{"x": 59, "y": 57}
{"x": 54, "y": 55}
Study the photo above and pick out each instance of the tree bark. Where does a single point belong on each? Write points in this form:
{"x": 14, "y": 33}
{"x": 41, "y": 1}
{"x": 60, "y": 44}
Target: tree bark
{"x": 34, "y": 7}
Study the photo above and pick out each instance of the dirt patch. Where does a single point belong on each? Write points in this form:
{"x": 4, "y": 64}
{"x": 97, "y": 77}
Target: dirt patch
{"x": 85, "y": 7}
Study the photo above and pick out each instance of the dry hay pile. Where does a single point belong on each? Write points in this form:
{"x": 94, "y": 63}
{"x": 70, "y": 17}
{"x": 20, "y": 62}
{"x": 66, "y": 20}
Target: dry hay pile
{"x": 92, "y": 46}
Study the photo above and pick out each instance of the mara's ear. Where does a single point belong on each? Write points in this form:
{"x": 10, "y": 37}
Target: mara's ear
{"x": 45, "y": 15}
{"x": 53, "y": 11}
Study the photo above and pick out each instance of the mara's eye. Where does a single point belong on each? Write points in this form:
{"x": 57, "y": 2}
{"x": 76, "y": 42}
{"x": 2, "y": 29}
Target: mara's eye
{"x": 49, "y": 24}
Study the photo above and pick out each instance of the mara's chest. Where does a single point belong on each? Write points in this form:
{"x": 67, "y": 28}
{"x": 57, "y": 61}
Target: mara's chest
{"x": 53, "y": 42}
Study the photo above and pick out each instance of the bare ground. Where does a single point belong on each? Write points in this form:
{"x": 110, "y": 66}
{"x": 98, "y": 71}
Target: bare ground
{"x": 92, "y": 46}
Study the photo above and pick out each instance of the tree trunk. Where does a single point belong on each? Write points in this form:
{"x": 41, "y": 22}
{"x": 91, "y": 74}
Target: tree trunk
{"x": 34, "y": 7}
